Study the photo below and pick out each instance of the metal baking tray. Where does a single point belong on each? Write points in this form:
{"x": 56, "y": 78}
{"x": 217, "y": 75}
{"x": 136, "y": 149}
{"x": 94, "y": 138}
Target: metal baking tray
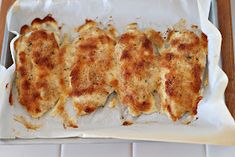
{"x": 6, "y": 61}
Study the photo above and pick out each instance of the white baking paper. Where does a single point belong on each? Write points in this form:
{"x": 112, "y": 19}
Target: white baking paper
{"x": 215, "y": 124}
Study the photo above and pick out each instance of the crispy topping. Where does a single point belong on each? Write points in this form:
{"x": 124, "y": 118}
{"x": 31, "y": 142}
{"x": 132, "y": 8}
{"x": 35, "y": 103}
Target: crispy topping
{"x": 181, "y": 69}
{"x": 24, "y": 29}
{"x": 37, "y": 69}
{"x": 91, "y": 73}
{"x": 138, "y": 72}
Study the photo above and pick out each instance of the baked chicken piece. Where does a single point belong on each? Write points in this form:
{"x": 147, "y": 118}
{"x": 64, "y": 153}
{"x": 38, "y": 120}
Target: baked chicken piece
{"x": 92, "y": 74}
{"x": 137, "y": 70}
{"x": 182, "y": 62}
{"x": 37, "y": 70}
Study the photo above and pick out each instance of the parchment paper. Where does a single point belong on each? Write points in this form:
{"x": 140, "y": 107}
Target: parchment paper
{"x": 215, "y": 124}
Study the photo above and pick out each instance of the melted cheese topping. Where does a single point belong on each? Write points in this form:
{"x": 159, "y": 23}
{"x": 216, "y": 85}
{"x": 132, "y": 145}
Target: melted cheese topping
{"x": 92, "y": 73}
{"x": 181, "y": 63}
{"x": 137, "y": 71}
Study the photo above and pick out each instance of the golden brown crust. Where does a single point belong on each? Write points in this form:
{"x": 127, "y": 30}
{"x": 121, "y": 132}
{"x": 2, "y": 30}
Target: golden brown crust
{"x": 46, "y": 19}
{"x": 39, "y": 72}
{"x": 137, "y": 70}
{"x": 24, "y": 29}
{"x": 36, "y": 71}
{"x": 91, "y": 75}
{"x": 182, "y": 65}
{"x": 47, "y": 23}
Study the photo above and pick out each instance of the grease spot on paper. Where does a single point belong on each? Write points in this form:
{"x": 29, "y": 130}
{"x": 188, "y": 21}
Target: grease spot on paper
{"x": 27, "y": 124}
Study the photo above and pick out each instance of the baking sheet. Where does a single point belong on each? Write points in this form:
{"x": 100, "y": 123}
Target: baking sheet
{"x": 214, "y": 118}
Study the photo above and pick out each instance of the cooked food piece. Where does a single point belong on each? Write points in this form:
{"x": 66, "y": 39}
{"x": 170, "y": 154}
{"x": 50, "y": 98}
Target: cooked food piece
{"x": 182, "y": 63}
{"x": 37, "y": 67}
{"x": 137, "y": 72}
{"x": 92, "y": 74}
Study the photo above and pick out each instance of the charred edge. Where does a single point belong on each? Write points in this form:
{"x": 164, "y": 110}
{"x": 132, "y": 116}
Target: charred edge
{"x": 11, "y": 98}
{"x": 24, "y": 29}
{"x": 46, "y": 19}
{"x": 173, "y": 117}
{"x": 127, "y": 123}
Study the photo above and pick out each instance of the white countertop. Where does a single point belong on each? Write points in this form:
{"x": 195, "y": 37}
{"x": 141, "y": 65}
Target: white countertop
{"x": 139, "y": 149}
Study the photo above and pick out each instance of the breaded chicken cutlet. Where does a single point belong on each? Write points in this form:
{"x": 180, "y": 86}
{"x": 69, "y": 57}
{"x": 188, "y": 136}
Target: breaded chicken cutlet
{"x": 137, "y": 71}
{"x": 37, "y": 79}
{"x": 182, "y": 63}
{"x": 92, "y": 74}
